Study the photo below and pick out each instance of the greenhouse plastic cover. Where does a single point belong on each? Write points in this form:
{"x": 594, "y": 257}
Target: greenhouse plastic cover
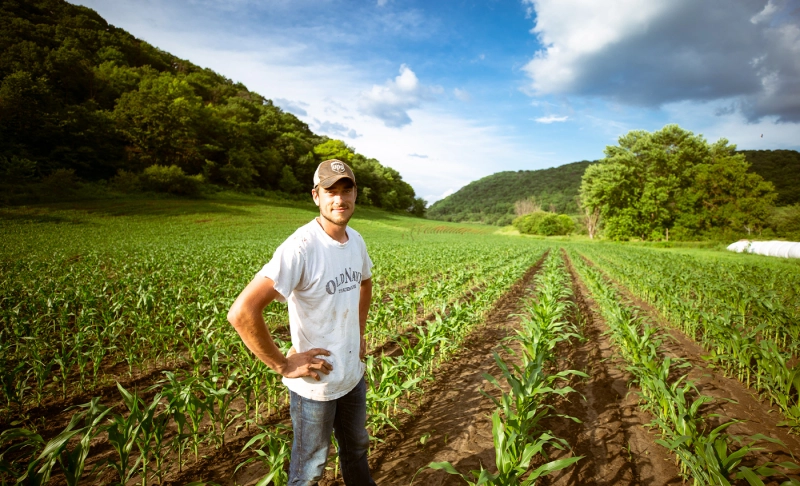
{"x": 785, "y": 249}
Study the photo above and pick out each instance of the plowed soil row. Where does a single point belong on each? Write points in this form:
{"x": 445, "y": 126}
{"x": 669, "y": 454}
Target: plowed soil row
{"x": 617, "y": 446}
{"x": 732, "y": 399}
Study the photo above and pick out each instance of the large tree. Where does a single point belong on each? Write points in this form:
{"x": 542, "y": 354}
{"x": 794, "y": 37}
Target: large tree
{"x": 653, "y": 183}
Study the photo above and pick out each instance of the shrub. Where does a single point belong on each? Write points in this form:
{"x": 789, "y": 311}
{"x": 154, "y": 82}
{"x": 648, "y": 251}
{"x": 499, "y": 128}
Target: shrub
{"x": 61, "y": 182}
{"x": 544, "y": 223}
{"x": 566, "y": 224}
{"x": 172, "y": 179}
{"x": 125, "y": 181}
{"x": 528, "y": 224}
{"x": 786, "y": 220}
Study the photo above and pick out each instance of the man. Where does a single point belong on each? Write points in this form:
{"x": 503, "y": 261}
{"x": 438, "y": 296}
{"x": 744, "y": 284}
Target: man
{"x": 323, "y": 272}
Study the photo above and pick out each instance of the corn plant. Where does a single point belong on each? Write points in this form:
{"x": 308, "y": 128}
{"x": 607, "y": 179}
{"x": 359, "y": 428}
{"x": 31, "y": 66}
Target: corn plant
{"x": 124, "y": 433}
{"x": 746, "y": 317}
{"x": 56, "y": 451}
{"x": 219, "y": 394}
{"x": 273, "y": 451}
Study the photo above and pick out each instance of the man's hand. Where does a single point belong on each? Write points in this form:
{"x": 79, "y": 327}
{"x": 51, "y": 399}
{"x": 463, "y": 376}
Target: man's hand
{"x": 363, "y": 351}
{"x": 306, "y": 364}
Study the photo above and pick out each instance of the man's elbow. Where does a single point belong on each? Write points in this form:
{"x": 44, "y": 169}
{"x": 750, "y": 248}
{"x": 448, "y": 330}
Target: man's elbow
{"x": 234, "y": 315}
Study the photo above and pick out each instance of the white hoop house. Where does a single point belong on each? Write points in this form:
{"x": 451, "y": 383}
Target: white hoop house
{"x": 785, "y": 249}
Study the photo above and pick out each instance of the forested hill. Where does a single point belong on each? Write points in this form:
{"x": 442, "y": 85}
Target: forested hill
{"x": 491, "y": 199}
{"x": 78, "y": 94}
{"x": 782, "y": 168}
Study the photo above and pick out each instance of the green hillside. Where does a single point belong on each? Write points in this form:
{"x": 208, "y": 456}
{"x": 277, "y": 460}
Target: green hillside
{"x": 82, "y": 98}
{"x": 782, "y": 168}
{"x": 491, "y": 199}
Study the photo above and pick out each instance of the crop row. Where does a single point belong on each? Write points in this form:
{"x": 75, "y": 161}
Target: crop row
{"x": 706, "y": 455}
{"x": 749, "y": 332}
{"x": 518, "y": 434}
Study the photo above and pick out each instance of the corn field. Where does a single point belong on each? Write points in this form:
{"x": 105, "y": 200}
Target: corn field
{"x": 119, "y": 365}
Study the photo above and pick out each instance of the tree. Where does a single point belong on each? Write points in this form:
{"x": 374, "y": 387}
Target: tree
{"x": 418, "y": 207}
{"x": 526, "y": 206}
{"x": 161, "y": 122}
{"x": 590, "y": 217}
{"x": 652, "y": 182}
{"x": 334, "y": 149}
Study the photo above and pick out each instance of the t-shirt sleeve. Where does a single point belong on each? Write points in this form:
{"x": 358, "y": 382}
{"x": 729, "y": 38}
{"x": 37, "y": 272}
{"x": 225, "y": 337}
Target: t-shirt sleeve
{"x": 285, "y": 269}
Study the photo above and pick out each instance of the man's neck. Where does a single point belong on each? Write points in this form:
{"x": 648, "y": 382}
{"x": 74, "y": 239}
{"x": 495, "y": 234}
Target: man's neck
{"x": 335, "y": 231}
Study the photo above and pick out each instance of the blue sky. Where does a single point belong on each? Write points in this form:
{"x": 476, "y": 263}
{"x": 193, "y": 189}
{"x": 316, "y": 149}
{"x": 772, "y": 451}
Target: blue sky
{"x": 447, "y": 92}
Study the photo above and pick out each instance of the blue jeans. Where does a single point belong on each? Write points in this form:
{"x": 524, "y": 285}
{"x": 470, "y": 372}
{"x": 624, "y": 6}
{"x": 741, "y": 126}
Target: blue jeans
{"x": 313, "y": 422}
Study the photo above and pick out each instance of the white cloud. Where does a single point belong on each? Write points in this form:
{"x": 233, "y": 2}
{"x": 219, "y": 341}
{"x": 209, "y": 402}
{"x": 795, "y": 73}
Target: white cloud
{"x": 769, "y": 10}
{"x": 551, "y": 119}
{"x": 700, "y": 118}
{"x": 335, "y": 129}
{"x": 294, "y": 107}
{"x": 461, "y": 94}
{"x": 419, "y": 156}
{"x": 653, "y": 52}
{"x": 571, "y": 30}
{"x": 391, "y": 102}
{"x": 458, "y": 150}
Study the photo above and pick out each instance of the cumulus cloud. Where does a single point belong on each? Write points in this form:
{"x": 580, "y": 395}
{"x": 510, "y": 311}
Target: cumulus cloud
{"x": 294, "y": 107}
{"x": 335, "y": 129}
{"x": 650, "y": 53}
{"x": 390, "y": 103}
{"x": 551, "y": 119}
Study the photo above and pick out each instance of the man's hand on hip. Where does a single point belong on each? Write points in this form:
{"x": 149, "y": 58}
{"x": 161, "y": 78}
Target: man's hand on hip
{"x": 306, "y": 364}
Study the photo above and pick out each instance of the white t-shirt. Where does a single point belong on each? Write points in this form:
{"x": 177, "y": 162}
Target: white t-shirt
{"x": 320, "y": 279}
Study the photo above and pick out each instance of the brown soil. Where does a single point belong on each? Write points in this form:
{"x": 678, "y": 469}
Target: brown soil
{"x": 732, "y": 399}
{"x": 617, "y": 446}
{"x": 454, "y": 415}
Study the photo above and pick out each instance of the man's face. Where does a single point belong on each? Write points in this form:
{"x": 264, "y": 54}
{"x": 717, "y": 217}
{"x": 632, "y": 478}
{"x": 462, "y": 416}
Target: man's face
{"x": 336, "y": 203}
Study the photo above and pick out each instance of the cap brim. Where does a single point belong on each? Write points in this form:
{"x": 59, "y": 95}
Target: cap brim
{"x": 334, "y": 179}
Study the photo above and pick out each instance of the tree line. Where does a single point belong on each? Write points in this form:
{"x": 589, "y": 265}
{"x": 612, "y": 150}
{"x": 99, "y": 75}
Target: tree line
{"x": 674, "y": 184}
{"x": 82, "y": 97}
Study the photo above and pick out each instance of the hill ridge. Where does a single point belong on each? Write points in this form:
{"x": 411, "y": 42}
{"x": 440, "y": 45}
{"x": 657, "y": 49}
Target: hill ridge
{"x": 491, "y": 199}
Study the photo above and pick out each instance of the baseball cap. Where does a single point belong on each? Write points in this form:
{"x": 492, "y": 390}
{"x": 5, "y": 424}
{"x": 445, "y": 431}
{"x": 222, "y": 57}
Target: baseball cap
{"x": 332, "y": 170}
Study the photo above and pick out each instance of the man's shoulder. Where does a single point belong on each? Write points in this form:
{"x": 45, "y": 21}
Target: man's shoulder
{"x": 354, "y": 234}
{"x": 301, "y": 238}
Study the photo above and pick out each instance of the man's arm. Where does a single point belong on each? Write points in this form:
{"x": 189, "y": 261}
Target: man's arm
{"x": 364, "y": 301}
{"x": 247, "y": 317}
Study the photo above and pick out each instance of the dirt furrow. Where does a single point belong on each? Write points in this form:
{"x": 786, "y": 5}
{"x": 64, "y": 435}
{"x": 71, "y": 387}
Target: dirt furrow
{"x": 732, "y": 399}
{"x": 454, "y": 417}
{"x": 612, "y": 437}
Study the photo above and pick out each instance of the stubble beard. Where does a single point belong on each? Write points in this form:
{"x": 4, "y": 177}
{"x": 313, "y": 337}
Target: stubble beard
{"x": 337, "y": 223}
